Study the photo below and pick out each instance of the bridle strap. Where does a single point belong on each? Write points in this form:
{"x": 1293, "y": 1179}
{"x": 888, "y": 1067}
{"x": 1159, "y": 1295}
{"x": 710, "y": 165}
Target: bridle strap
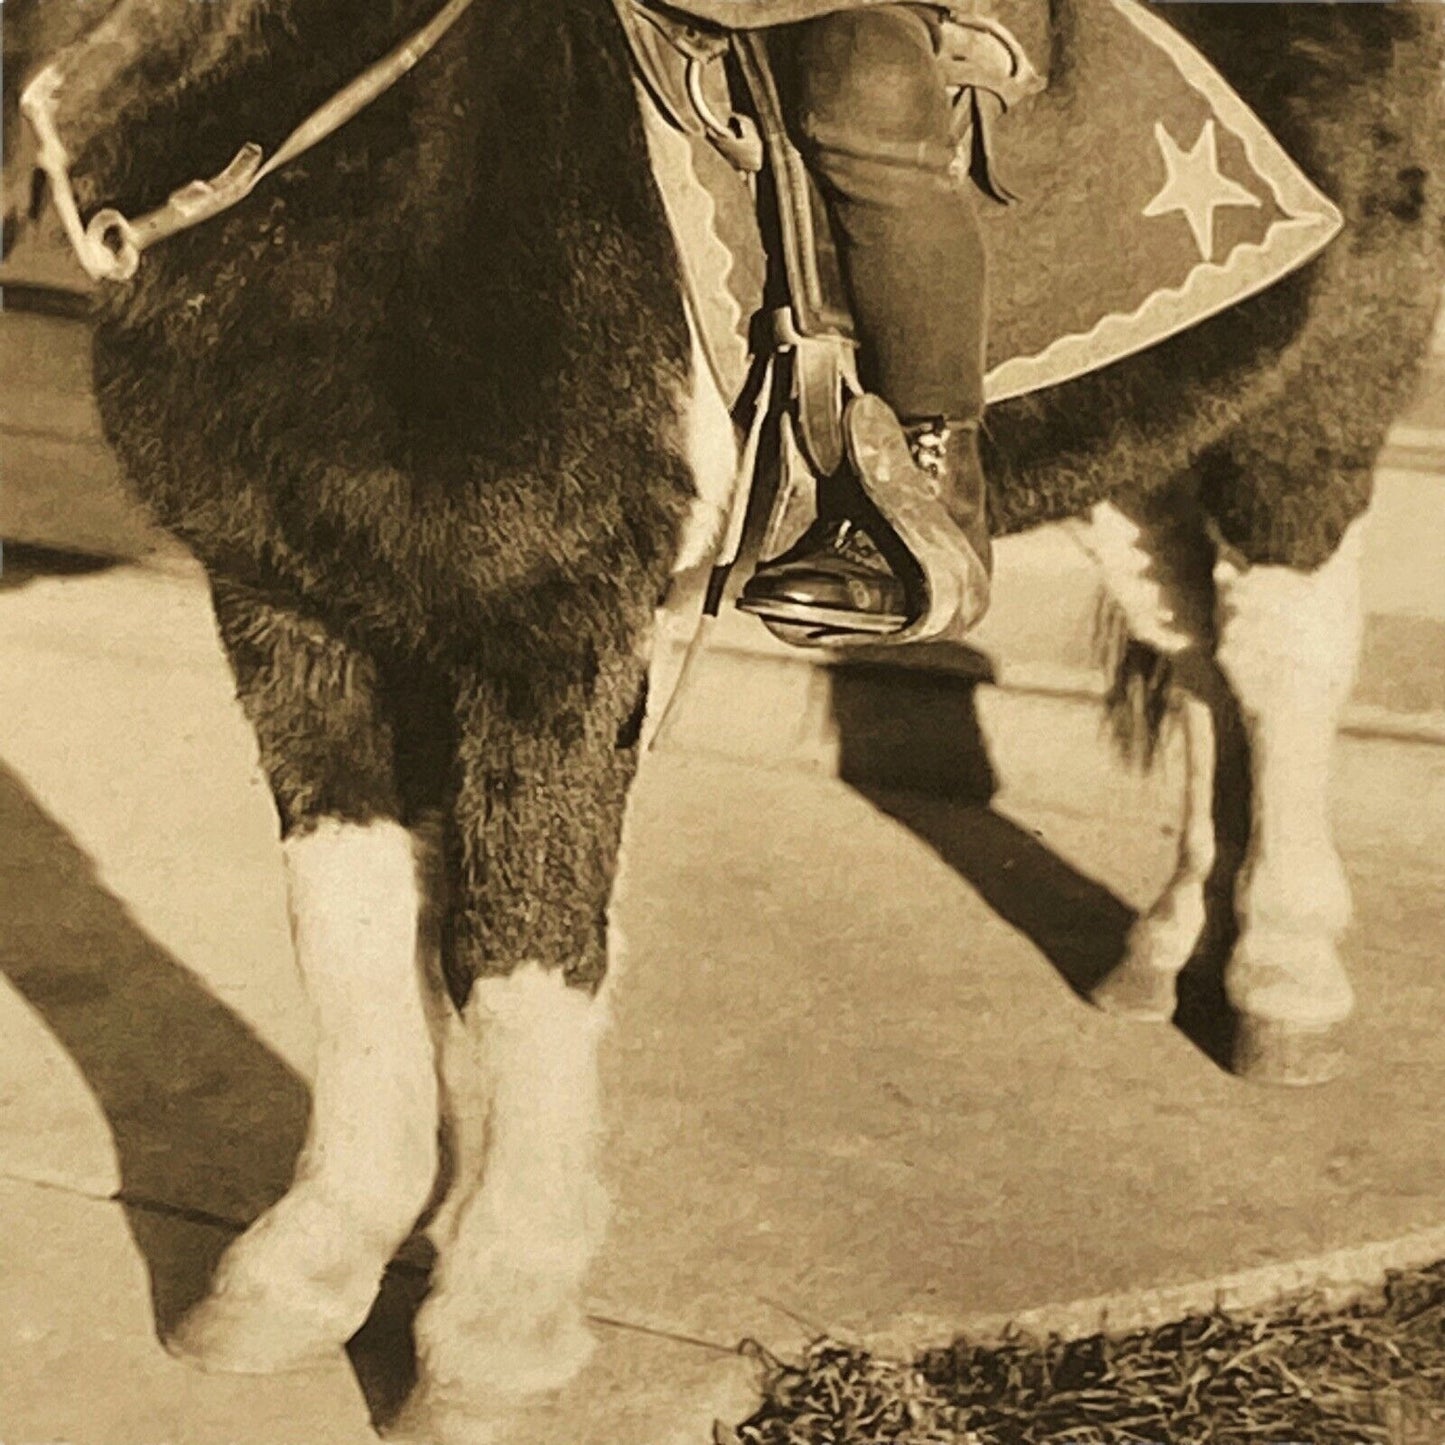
{"x": 109, "y": 247}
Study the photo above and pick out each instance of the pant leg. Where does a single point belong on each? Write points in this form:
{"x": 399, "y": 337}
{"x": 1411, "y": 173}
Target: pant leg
{"x": 873, "y": 122}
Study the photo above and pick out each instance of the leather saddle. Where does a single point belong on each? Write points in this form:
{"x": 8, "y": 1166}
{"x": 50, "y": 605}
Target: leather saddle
{"x": 811, "y": 417}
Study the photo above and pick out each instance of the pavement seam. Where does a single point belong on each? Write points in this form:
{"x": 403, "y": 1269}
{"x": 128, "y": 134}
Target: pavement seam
{"x": 19, "y": 431}
{"x": 146, "y": 1205}
{"x": 715, "y": 1347}
{"x": 1336, "y": 1276}
{"x": 208, "y": 1220}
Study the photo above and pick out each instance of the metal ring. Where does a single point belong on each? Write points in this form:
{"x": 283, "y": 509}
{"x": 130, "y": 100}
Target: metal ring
{"x": 111, "y": 235}
{"x": 737, "y": 137}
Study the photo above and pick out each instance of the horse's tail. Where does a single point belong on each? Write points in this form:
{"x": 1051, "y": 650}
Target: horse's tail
{"x": 1140, "y": 682}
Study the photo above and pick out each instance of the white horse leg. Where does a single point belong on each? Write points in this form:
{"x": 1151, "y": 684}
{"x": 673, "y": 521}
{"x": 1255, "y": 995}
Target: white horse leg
{"x": 1156, "y": 570}
{"x": 505, "y": 1319}
{"x": 465, "y": 1104}
{"x": 1144, "y": 984}
{"x": 1288, "y": 643}
{"x": 302, "y": 1279}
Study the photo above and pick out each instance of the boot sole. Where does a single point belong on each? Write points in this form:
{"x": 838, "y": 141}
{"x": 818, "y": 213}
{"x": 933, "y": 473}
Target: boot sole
{"x": 807, "y": 615}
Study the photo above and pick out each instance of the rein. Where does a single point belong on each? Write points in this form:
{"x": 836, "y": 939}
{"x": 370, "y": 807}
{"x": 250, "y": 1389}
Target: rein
{"x": 110, "y": 246}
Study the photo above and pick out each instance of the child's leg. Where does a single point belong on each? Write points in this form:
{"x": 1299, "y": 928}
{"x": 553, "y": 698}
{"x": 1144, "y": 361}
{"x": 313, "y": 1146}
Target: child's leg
{"x": 870, "y": 114}
{"x": 873, "y": 121}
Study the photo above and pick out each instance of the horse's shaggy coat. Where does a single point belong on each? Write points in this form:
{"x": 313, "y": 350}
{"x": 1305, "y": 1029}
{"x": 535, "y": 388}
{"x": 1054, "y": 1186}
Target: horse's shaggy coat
{"x": 417, "y": 411}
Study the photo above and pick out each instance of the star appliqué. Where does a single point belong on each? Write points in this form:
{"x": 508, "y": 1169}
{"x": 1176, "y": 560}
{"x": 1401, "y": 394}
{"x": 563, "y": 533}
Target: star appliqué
{"x": 1196, "y": 186}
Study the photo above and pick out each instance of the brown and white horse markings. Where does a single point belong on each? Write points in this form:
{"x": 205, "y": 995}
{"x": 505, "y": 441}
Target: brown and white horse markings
{"x": 423, "y": 406}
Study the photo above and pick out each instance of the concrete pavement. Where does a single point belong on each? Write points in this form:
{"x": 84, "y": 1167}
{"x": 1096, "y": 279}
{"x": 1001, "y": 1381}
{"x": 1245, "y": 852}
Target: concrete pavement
{"x": 853, "y": 1087}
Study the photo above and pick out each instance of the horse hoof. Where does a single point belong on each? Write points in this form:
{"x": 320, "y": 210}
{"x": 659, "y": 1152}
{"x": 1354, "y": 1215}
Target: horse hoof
{"x": 225, "y": 1334}
{"x": 1281, "y": 1052}
{"x": 429, "y": 1419}
{"x": 1137, "y": 992}
{"x": 635, "y": 1392}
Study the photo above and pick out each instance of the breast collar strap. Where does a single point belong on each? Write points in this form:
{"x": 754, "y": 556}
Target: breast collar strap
{"x": 109, "y": 246}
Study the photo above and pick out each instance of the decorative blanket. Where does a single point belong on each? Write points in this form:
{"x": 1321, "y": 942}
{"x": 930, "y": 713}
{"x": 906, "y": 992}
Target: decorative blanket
{"x": 1150, "y": 197}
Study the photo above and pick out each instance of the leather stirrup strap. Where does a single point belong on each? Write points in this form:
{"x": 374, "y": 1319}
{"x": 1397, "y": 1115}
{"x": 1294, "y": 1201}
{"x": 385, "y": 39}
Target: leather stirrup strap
{"x": 816, "y": 325}
{"x": 814, "y": 281}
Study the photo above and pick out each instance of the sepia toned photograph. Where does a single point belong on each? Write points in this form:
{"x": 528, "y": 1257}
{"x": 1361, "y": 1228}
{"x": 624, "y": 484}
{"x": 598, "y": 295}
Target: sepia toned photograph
{"x": 722, "y": 722}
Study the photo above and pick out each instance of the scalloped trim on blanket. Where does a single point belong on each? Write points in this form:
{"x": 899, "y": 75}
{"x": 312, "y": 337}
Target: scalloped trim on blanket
{"x": 1314, "y": 221}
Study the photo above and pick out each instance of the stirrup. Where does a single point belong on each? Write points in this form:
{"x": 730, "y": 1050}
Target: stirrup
{"x": 907, "y": 499}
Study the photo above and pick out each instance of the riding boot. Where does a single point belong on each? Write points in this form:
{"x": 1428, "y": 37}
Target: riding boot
{"x": 847, "y": 574}
{"x": 947, "y": 451}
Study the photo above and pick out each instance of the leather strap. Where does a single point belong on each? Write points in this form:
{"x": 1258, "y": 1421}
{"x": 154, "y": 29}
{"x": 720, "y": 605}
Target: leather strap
{"x": 814, "y": 281}
{"x": 682, "y": 66}
{"x": 816, "y": 326}
{"x": 823, "y": 376}
{"x": 109, "y": 247}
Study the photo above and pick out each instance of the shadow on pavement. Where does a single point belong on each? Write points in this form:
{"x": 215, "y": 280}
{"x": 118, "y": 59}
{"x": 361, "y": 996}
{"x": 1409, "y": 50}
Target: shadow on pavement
{"x": 206, "y": 1119}
{"x": 1079, "y": 925}
{"x": 383, "y": 1350}
{"x": 22, "y": 562}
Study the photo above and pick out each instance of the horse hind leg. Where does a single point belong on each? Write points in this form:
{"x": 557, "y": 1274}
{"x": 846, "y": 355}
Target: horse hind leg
{"x": 301, "y": 1280}
{"x": 1273, "y": 648}
{"x": 1289, "y": 643}
{"x": 1155, "y": 568}
{"x": 1144, "y": 984}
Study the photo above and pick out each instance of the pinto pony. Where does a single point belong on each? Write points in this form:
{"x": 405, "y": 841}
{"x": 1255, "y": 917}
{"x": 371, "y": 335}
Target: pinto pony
{"x": 428, "y": 410}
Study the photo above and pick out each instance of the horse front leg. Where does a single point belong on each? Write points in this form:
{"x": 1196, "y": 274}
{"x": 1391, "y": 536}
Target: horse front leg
{"x": 536, "y": 825}
{"x": 1289, "y": 643}
{"x": 504, "y": 1320}
{"x": 301, "y": 1280}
